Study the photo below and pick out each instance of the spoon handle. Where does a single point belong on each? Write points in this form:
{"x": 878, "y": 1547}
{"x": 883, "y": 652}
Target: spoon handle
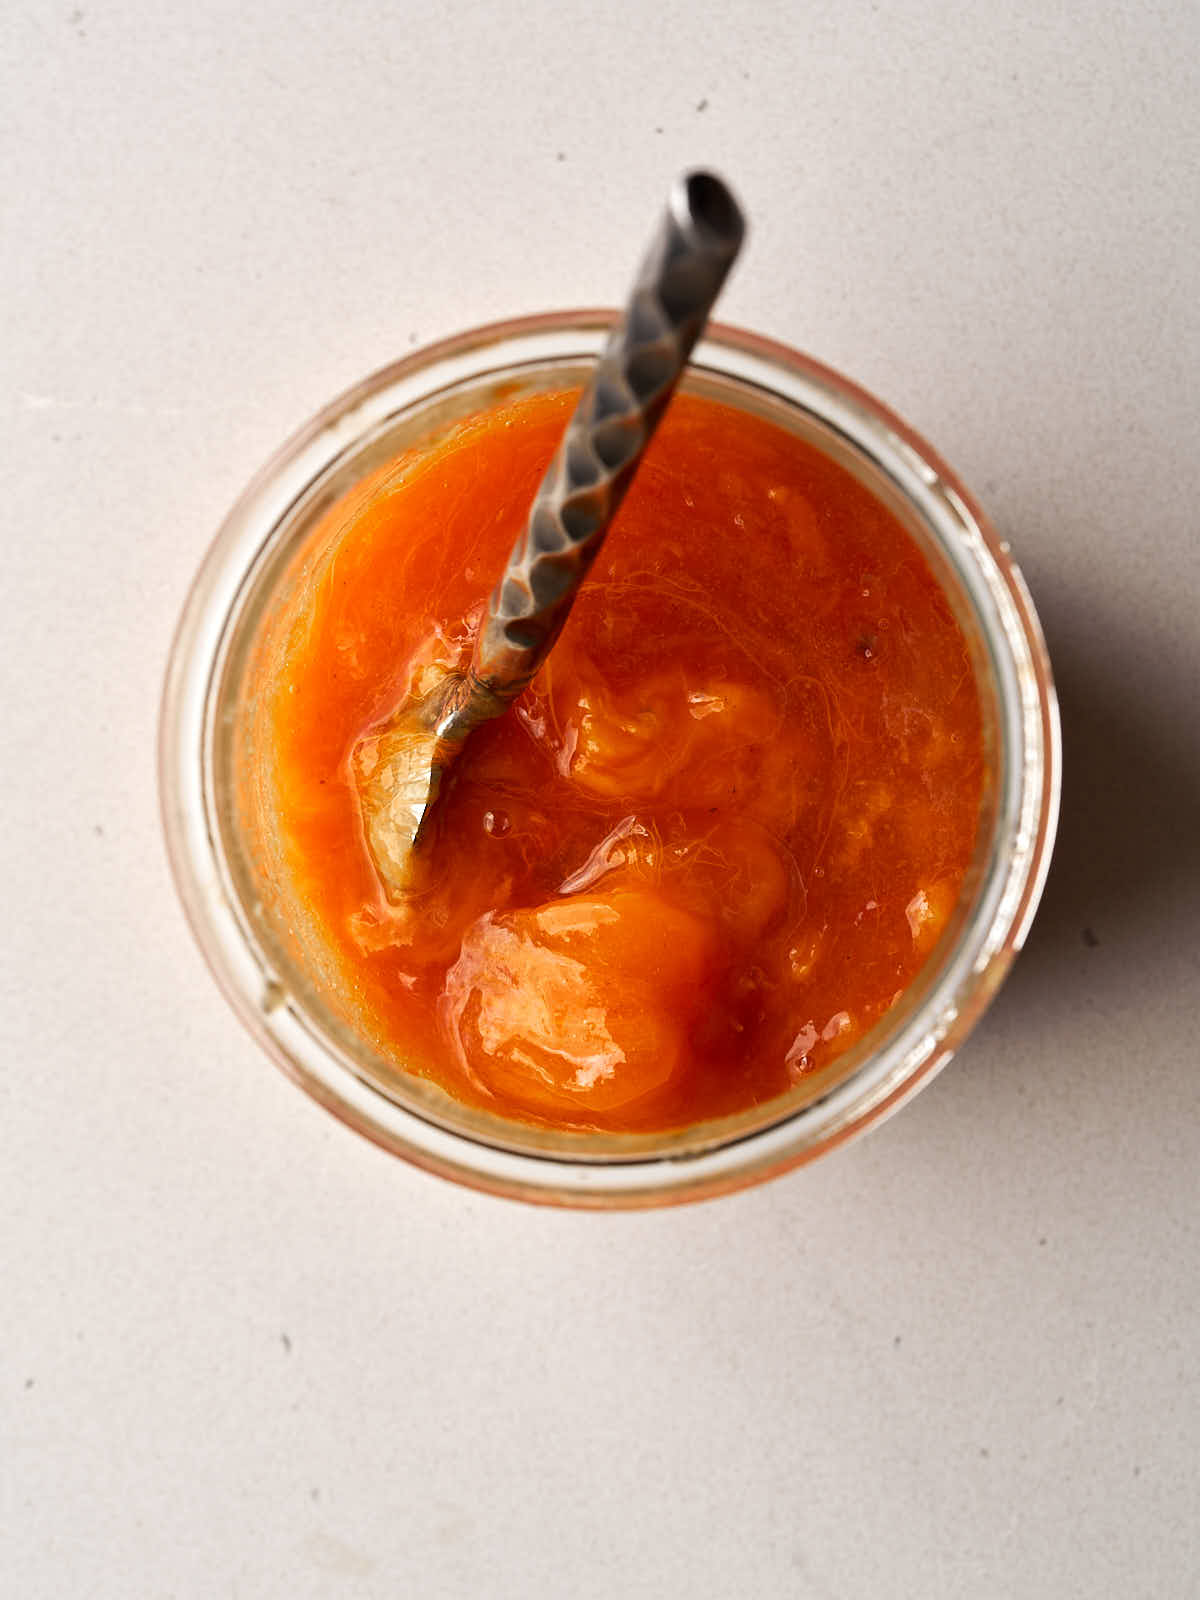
{"x": 689, "y": 257}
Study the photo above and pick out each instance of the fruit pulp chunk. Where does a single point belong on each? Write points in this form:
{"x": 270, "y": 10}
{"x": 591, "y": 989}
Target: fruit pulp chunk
{"x": 714, "y": 840}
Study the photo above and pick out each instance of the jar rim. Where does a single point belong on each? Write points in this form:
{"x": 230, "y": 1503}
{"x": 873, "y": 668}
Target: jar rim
{"x": 970, "y": 974}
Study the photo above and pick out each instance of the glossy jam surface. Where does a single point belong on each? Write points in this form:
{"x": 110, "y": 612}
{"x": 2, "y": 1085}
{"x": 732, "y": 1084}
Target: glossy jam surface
{"x": 716, "y": 838}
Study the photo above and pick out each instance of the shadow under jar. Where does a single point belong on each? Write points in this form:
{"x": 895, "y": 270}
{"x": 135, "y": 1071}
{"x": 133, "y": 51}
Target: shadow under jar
{"x": 267, "y": 951}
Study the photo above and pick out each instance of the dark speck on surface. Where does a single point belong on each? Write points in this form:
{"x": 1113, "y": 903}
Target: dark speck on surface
{"x": 285, "y": 1342}
{"x": 29, "y": 1383}
{"x": 896, "y": 1342}
{"x": 412, "y": 338}
{"x": 560, "y": 156}
{"x": 658, "y": 130}
{"x": 702, "y": 105}
{"x": 314, "y": 1494}
{"x": 984, "y": 1452}
{"x": 1090, "y": 939}
{"x": 98, "y": 830}
{"x": 1042, "y": 1240}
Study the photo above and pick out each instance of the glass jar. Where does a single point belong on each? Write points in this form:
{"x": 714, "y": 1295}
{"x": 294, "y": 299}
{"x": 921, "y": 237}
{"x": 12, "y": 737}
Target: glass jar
{"x": 240, "y": 913}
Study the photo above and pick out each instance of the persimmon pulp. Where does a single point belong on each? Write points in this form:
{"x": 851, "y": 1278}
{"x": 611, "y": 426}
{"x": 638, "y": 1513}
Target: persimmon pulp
{"x": 715, "y": 839}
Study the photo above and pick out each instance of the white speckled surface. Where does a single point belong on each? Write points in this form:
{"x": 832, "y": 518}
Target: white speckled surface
{"x": 243, "y": 1353}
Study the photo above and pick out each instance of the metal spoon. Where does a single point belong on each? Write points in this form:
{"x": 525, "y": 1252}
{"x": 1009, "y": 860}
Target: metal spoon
{"x": 400, "y": 769}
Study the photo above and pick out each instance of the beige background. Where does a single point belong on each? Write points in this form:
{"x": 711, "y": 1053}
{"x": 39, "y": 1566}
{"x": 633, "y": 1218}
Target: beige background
{"x": 243, "y": 1353}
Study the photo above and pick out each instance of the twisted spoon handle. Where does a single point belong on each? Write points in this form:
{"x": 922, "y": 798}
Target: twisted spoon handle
{"x": 689, "y": 257}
